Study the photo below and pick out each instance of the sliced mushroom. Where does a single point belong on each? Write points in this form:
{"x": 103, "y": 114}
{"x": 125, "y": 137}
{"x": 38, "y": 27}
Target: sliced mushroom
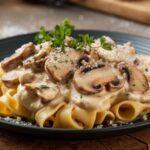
{"x": 99, "y": 101}
{"x": 83, "y": 60}
{"x": 16, "y": 59}
{"x": 91, "y": 80}
{"x": 94, "y": 54}
{"x": 11, "y": 79}
{"x": 60, "y": 64}
{"x": 46, "y": 91}
{"x": 29, "y": 99}
{"x": 35, "y": 65}
{"x": 26, "y": 77}
{"x": 36, "y": 62}
{"x": 116, "y": 84}
{"x": 137, "y": 79}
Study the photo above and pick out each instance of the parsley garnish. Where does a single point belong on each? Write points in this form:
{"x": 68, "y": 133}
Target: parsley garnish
{"x": 81, "y": 41}
{"x": 55, "y": 67}
{"x": 44, "y": 87}
{"x": 42, "y": 36}
{"x": 64, "y": 29}
{"x": 57, "y": 36}
{"x": 104, "y": 44}
{"x": 146, "y": 69}
{"x": 81, "y": 96}
{"x": 85, "y": 39}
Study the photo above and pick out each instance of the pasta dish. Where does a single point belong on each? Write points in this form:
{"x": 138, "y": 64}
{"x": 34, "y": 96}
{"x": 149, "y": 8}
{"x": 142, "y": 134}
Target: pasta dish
{"x": 78, "y": 82}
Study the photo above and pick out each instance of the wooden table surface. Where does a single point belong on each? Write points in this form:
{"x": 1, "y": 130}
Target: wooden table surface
{"x": 17, "y": 17}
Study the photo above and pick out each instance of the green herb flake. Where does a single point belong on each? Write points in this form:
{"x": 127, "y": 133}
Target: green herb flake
{"x": 72, "y": 62}
{"x": 66, "y": 61}
{"x": 81, "y": 96}
{"x": 41, "y": 46}
{"x": 105, "y": 45}
{"x": 44, "y": 87}
{"x": 55, "y": 58}
{"x": 55, "y": 67}
{"x": 81, "y": 41}
{"x": 146, "y": 69}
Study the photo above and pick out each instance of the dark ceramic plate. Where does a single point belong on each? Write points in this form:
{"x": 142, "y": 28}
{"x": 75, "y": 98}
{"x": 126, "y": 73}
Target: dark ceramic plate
{"x": 7, "y": 46}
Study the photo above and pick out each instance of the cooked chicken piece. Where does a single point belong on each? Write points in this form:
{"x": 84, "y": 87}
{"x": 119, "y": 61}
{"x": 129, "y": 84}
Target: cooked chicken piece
{"x": 11, "y": 79}
{"x": 16, "y": 59}
{"x": 91, "y": 79}
{"x": 60, "y": 64}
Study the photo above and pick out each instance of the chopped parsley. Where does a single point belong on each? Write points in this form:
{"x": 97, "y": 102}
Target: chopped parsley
{"x": 64, "y": 29}
{"x": 44, "y": 87}
{"x": 42, "y": 36}
{"x": 81, "y": 96}
{"x": 57, "y": 36}
{"x": 72, "y": 62}
{"x": 41, "y": 46}
{"x": 105, "y": 45}
{"x": 146, "y": 69}
{"x": 55, "y": 67}
{"x": 81, "y": 41}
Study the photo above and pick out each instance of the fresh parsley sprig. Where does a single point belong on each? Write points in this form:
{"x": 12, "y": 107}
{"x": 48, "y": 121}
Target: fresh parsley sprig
{"x": 60, "y": 32}
{"x": 42, "y": 36}
{"x": 105, "y": 45}
{"x": 57, "y": 36}
{"x": 81, "y": 41}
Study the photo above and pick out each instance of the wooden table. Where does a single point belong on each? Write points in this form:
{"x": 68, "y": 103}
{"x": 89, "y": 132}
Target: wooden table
{"x": 17, "y": 17}
{"x": 134, "y": 141}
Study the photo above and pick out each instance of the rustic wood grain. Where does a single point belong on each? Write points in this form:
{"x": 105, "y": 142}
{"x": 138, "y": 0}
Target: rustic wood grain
{"x": 12, "y": 141}
{"x": 138, "y": 10}
{"x": 123, "y": 142}
{"x": 142, "y": 135}
{"x": 135, "y": 141}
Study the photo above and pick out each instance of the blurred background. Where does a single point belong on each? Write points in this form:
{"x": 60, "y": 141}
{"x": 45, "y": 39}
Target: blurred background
{"x": 24, "y": 16}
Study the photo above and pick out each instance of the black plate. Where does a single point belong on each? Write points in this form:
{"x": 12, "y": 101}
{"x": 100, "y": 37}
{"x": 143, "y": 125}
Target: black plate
{"x": 7, "y": 46}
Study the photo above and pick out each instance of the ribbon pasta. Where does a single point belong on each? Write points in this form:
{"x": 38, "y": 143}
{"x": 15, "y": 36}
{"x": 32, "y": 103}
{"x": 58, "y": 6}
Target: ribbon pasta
{"x": 129, "y": 110}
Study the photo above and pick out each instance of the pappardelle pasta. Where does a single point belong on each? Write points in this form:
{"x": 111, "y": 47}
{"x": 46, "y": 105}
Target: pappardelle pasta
{"x": 68, "y": 82}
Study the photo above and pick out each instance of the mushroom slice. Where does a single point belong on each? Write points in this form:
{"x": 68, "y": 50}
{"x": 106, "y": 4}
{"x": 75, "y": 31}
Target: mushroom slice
{"x": 60, "y": 64}
{"x": 83, "y": 60}
{"x": 26, "y": 77}
{"x": 36, "y": 62}
{"x": 46, "y": 91}
{"x": 116, "y": 84}
{"x": 137, "y": 79}
{"x": 11, "y": 79}
{"x": 90, "y": 80}
{"x": 35, "y": 65}
{"x": 29, "y": 99}
{"x": 16, "y": 59}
